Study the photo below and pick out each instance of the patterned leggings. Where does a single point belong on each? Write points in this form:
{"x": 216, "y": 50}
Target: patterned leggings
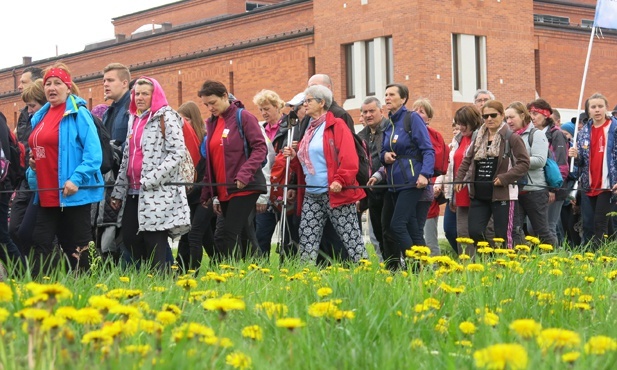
{"x": 315, "y": 209}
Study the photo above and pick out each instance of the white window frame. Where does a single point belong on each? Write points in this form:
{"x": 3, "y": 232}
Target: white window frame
{"x": 472, "y": 66}
{"x": 359, "y": 70}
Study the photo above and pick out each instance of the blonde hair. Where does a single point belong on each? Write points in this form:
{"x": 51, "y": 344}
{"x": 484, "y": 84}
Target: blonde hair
{"x": 191, "y": 110}
{"x": 268, "y": 96}
{"x": 34, "y": 92}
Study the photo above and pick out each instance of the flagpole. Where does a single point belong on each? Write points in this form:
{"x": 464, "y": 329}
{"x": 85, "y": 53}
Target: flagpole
{"x": 580, "y": 98}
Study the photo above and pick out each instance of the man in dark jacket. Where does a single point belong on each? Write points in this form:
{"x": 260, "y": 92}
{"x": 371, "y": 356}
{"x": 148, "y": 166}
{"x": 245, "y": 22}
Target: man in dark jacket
{"x": 372, "y": 134}
{"x": 28, "y": 76}
{"x": 116, "y": 81}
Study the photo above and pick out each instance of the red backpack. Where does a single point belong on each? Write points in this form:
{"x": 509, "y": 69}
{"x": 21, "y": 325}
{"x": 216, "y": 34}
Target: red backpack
{"x": 442, "y": 150}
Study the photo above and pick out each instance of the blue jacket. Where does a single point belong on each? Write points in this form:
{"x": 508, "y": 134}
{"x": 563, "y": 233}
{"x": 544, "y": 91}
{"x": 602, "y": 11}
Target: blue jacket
{"x": 79, "y": 153}
{"x": 414, "y": 150}
{"x": 583, "y": 145}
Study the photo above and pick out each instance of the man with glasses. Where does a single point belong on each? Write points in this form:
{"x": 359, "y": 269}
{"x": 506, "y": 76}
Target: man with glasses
{"x": 481, "y": 97}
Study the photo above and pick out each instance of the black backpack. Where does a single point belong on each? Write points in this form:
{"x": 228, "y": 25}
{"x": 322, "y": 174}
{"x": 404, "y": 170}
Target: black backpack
{"x": 106, "y": 148}
{"x": 14, "y": 160}
{"x": 364, "y": 160}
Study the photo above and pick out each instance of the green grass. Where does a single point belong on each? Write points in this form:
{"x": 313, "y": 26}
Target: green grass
{"x": 387, "y": 309}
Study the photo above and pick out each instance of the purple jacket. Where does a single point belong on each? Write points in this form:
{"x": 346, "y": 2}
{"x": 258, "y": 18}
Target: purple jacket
{"x": 237, "y": 166}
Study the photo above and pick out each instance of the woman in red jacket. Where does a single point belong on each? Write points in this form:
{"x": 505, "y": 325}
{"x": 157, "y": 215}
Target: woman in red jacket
{"x": 329, "y": 165}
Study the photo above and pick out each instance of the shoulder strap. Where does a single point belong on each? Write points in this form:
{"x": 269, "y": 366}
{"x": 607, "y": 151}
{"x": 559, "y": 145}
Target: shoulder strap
{"x": 530, "y": 137}
{"x": 407, "y": 122}
{"x": 241, "y": 131}
{"x": 507, "y": 152}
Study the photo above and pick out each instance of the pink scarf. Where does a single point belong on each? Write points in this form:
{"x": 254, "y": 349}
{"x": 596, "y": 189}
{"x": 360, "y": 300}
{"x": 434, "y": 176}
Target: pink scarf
{"x": 303, "y": 149}
{"x": 520, "y": 131}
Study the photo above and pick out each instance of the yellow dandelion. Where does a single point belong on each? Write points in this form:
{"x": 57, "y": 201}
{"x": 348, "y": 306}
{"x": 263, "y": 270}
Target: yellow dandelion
{"x": 141, "y": 350}
{"x": 172, "y": 308}
{"x": 467, "y": 327}
{"x": 101, "y": 302}
{"x": 502, "y": 356}
{"x": 475, "y": 267}
{"x": 463, "y": 257}
{"x": 290, "y": 323}
{"x": 441, "y": 326}
{"x": 216, "y": 341}
{"x": 339, "y": 315}
{"x": 224, "y": 304}
{"x": 570, "y": 357}
{"x": 238, "y": 360}
{"x": 271, "y": 309}
{"x": 490, "y": 319}
{"x": 522, "y": 248}
{"x": 600, "y": 344}
{"x": 34, "y": 314}
{"x": 417, "y": 343}
{"x": 320, "y": 309}
{"x": 324, "y": 292}
{"x": 463, "y": 343}
{"x": 97, "y": 337}
{"x": 590, "y": 279}
{"x": 572, "y": 292}
{"x": 556, "y": 272}
{"x": 558, "y": 338}
{"x": 526, "y": 328}
{"x": 581, "y": 306}
{"x": 34, "y": 300}
{"x": 52, "y": 323}
{"x": 88, "y": 316}
{"x": 585, "y": 298}
{"x": 55, "y": 291}
{"x": 67, "y": 312}
{"x": 166, "y": 317}
{"x": 450, "y": 289}
{"x": 532, "y": 239}
{"x": 4, "y": 314}
{"x": 125, "y": 279}
{"x": 187, "y": 284}
{"x": 149, "y": 326}
{"x": 159, "y": 289}
{"x": 485, "y": 250}
{"x": 253, "y": 332}
{"x": 191, "y": 330}
{"x": 6, "y": 294}
{"x": 546, "y": 247}
{"x": 127, "y": 311}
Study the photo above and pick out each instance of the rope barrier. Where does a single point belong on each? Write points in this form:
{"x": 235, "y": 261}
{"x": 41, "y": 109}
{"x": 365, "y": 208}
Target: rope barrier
{"x": 289, "y": 186}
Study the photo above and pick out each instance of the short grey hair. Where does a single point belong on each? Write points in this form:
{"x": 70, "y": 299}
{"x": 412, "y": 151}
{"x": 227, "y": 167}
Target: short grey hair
{"x": 321, "y": 93}
{"x": 480, "y": 91}
{"x": 372, "y": 99}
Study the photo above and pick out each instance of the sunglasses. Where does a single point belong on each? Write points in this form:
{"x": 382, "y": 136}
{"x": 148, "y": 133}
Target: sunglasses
{"x": 492, "y": 115}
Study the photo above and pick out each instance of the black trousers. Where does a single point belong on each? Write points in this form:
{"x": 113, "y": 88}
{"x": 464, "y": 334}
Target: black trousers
{"x": 227, "y": 239}
{"x": 144, "y": 246}
{"x": 191, "y": 246}
{"x": 72, "y": 227}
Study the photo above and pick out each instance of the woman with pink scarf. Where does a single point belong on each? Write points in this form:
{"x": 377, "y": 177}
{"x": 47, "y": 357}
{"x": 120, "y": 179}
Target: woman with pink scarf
{"x": 329, "y": 163}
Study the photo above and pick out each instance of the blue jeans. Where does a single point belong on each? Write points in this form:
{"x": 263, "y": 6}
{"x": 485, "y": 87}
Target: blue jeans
{"x": 9, "y": 253}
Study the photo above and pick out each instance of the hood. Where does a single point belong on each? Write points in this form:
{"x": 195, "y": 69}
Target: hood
{"x": 159, "y": 100}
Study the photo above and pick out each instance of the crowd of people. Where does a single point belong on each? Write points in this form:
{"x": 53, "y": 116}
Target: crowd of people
{"x": 297, "y": 168}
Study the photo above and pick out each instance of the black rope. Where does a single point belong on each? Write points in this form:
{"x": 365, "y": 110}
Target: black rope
{"x": 289, "y": 186}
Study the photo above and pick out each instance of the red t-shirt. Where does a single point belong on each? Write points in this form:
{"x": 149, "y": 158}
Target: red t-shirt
{"x": 597, "y": 153}
{"x": 462, "y": 197}
{"x": 44, "y": 141}
{"x": 217, "y": 159}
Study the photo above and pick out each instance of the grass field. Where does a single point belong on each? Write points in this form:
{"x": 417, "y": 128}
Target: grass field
{"x": 517, "y": 310}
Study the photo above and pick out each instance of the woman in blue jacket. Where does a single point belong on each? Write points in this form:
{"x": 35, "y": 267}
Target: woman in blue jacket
{"x": 408, "y": 156}
{"x": 66, "y": 159}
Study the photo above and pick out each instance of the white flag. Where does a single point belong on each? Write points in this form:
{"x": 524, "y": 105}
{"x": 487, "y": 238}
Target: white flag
{"x": 606, "y": 14}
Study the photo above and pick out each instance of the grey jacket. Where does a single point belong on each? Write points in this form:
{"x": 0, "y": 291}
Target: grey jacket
{"x": 537, "y": 159}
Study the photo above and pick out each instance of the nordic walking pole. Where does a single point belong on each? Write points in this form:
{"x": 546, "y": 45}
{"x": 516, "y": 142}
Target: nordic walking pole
{"x": 290, "y": 134}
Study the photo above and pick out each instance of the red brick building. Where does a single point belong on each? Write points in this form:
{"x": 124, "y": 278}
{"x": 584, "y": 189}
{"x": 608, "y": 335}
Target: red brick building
{"x": 443, "y": 50}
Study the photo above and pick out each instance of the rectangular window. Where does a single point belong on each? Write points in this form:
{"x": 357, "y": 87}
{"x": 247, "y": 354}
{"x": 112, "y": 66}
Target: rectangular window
{"x": 551, "y": 19}
{"x": 456, "y": 83}
{"x": 389, "y": 61}
{"x": 370, "y": 67}
{"x": 587, "y": 23}
{"x": 468, "y": 66}
{"x": 350, "y": 69}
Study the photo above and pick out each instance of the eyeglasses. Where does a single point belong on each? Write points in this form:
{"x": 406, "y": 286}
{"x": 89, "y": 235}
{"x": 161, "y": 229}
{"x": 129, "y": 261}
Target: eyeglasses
{"x": 482, "y": 100}
{"x": 308, "y": 100}
{"x": 492, "y": 115}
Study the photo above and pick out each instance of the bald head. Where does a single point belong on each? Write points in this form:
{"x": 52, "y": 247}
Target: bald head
{"x": 320, "y": 79}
